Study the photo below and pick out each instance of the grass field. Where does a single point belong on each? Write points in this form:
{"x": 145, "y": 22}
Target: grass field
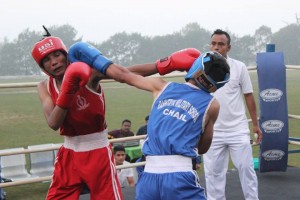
{"x": 22, "y": 122}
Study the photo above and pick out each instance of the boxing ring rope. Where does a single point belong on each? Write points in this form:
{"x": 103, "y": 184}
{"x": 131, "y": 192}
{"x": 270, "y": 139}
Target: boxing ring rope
{"x": 293, "y": 116}
{"x": 48, "y": 178}
{"x": 57, "y": 146}
{"x": 294, "y": 142}
{"x": 34, "y": 84}
{"x": 171, "y": 75}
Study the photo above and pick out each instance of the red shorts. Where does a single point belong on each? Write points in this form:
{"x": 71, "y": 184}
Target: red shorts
{"x": 95, "y": 168}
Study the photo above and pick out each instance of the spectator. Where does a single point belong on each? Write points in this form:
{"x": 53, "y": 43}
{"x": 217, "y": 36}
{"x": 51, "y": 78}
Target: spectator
{"x": 124, "y": 131}
{"x": 143, "y": 129}
{"x": 125, "y": 176}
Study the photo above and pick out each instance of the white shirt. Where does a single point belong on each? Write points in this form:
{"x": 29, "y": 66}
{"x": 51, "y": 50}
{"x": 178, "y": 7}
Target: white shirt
{"x": 232, "y": 116}
{"x": 123, "y": 174}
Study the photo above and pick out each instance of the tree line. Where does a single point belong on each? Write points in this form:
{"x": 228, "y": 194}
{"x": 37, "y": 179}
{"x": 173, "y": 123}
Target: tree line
{"x": 134, "y": 48}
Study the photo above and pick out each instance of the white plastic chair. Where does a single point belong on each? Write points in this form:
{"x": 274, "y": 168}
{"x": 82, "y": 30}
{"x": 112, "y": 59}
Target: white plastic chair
{"x": 41, "y": 163}
{"x": 13, "y": 167}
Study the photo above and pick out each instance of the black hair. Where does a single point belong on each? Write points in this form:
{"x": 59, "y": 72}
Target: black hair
{"x": 147, "y": 118}
{"x": 217, "y": 67}
{"x": 221, "y": 32}
{"x": 126, "y": 120}
{"x": 119, "y": 148}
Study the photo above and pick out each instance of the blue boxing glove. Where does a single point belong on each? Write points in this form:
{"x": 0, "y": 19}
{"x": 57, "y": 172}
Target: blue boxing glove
{"x": 85, "y": 52}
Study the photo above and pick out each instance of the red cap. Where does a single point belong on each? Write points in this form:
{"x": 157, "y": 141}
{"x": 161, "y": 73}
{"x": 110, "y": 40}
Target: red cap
{"x": 46, "y": 46}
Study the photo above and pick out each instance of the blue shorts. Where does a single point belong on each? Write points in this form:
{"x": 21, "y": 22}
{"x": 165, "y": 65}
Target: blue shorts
{"x": 169, "y": 186}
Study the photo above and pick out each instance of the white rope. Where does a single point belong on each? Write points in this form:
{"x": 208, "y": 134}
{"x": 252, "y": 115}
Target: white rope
{"x": 34, "y": 84}
{"x": 292, "y": 66}
{"x": 138, "y": 164}
{"x": 294, "y": 142}
{"x": 25, "y": 181}
{"x": 57, "y": 146}
{"x": 294, "y": 116}
{"x": 170, "y": 75}
{"x": 127, "y": 138}
{"x": 250, "y": 68}
{"x": 48, "y": 178}
{"x": 18, "y": 85}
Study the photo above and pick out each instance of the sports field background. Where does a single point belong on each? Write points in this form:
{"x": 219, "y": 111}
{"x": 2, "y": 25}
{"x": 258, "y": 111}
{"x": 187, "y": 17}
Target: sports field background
{"x": 22, "y": 122}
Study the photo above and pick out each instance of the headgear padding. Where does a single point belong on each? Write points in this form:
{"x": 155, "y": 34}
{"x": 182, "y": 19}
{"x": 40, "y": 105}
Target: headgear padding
{"x": 210, "y": 71}
{"x": 46, "y": 46}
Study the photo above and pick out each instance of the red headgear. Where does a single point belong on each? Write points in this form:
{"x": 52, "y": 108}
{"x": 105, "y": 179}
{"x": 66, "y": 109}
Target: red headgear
{"x": 46, "y": 46}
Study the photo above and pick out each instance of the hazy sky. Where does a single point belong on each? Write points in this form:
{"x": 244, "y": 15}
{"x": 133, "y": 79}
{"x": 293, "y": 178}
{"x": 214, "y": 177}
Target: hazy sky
{"x": 97, "y": 20}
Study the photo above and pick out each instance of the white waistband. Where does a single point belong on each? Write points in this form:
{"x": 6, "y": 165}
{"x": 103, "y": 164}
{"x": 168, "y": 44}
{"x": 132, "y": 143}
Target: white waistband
{"x": 88, "y": 142}
{"x": 168, "y": 163}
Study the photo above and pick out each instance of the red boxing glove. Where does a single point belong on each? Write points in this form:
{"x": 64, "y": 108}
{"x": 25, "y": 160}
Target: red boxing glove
{"x": 180, "y": 60}
{"x": 77, "y": 75}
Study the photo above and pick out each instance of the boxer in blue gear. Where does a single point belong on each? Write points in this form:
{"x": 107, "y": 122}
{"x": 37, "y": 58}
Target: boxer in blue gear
{"x": 177, "y": 125}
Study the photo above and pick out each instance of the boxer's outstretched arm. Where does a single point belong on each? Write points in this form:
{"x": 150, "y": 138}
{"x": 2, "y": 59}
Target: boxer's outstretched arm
{"x": 123, "y": 75}
{"x": 143, "y": 69}
{"x": 181, "y": 60}
{"x": 178, "y": 61}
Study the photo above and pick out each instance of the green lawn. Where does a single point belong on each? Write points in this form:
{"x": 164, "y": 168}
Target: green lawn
{"x": 22, "y": 122}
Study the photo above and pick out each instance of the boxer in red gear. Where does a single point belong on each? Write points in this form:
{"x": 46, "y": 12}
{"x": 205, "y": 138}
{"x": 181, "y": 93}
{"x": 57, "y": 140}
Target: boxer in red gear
{"x": 73, "y": 102}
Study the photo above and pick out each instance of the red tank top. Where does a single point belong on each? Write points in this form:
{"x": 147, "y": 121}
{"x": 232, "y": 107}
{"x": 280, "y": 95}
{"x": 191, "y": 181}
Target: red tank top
{"x": 86, "y": 114}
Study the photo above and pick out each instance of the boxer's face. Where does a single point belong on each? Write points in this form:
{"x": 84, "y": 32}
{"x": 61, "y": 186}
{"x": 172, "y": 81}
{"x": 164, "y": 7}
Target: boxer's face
{"x": 219, "y": 43}
{"x": 55, "y": 63}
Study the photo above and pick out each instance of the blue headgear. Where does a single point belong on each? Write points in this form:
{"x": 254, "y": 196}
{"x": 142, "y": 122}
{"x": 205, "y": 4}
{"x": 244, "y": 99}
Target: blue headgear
{"x": 210, "y": 71}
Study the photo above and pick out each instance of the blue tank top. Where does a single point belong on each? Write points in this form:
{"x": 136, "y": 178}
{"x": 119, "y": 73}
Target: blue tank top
{"x": 176, "y": 121}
